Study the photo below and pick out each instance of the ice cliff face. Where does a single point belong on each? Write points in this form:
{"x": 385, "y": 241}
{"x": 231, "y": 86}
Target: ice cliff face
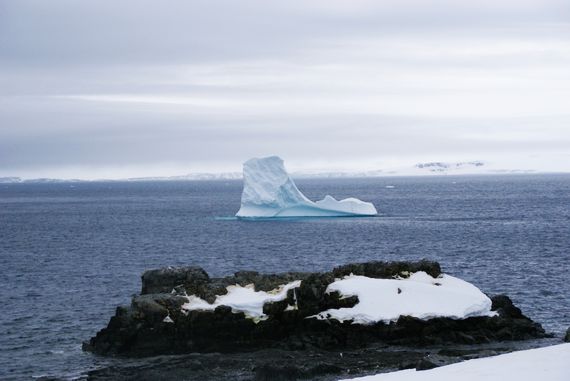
{"x": 268, "y": 191}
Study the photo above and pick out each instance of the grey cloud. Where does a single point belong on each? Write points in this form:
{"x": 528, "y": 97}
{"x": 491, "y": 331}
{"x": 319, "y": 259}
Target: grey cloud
{"x": 107, "y": 83}
{"x": 64, "y": 32}
{"x": 111, "y": 135}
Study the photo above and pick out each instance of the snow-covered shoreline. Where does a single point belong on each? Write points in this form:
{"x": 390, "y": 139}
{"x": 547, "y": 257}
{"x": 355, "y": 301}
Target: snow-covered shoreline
{"x": 548, "y": 363}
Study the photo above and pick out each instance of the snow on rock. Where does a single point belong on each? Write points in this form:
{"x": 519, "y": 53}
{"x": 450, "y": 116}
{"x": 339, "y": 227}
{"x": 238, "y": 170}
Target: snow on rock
{"x": 548, "y": 364}
{"x": 420, "y": 296}
{"x": 242, "y": 299}
{"x": 269, "y": 191}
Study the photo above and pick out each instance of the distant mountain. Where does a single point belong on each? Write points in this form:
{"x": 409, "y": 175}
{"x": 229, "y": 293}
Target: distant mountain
{"x": 419, "y": 169}
{"x": 8, "y": 180}
{"x": 49, "y": 181}
{"x": 442, "y": 168}
{"x": 453, "y": 168}
{"x": 192, "y": 176}
{"x": 15, "y": 180}
{"x": 439, "y": 167}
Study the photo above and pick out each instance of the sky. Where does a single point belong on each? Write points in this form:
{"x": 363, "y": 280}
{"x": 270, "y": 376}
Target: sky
{"x": 131, "y": 88}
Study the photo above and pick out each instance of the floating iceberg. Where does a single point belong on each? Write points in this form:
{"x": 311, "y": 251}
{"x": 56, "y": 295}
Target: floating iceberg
{"x": 268, "y": 191}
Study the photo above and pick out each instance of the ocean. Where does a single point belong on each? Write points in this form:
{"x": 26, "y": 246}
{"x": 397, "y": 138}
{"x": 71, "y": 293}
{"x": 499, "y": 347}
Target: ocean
{"x": 70, "y": 253}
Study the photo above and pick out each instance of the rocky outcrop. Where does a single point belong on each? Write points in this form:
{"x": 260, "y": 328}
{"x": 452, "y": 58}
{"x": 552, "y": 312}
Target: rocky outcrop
{"x": 155, "y": 323}
{"x": 275, "y": 364}
{"x": 193, "y": 280}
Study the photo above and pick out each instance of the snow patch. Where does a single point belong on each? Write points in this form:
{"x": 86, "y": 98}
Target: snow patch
{"x": 549, "y": 363}
{"x": 419, "y": 295}
{"x": 242, "y": 299}
{"x": 269, "y": 191}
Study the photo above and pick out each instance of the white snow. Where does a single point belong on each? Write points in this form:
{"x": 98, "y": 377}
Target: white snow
{"x": 242, "y": 299}
{"x": 269, "y": 191}
{"x": 547, "y": 364}
{"x": 420, "y": 296}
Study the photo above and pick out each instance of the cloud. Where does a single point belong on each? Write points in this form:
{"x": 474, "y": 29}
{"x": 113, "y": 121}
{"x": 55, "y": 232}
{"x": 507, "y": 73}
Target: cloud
{"x": 202, "y": 85}
{"x": 69, "y": 32}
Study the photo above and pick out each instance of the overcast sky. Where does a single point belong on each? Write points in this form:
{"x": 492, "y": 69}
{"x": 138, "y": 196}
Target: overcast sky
{"x": 92, "y": 89}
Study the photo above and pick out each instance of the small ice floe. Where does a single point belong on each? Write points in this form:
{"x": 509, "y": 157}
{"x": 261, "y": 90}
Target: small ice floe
{"x": 167, "y": 319}
{"x": 390, "y": 186}
{"x": 243, "y": 299}
{"x": 419, "y": 295}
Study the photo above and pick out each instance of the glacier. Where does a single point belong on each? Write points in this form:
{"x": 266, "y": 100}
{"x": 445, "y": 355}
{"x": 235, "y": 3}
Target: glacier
{"x": 269, "y": 191}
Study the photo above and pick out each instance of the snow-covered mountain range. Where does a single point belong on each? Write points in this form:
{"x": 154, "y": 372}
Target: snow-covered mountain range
{"x": 420, "y": 169}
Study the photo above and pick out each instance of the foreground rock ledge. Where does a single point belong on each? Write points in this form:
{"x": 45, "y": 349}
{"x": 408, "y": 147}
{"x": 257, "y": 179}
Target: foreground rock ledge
{"x": 155, "y": 324}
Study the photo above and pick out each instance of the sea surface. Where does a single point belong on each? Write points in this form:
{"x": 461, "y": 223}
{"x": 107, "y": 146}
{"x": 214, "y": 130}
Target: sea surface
{"x": 71, "y": 252}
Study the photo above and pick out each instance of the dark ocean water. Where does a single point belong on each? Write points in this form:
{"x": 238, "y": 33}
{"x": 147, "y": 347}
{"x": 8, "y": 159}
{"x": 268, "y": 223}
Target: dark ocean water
{"x": 70, "y": 253}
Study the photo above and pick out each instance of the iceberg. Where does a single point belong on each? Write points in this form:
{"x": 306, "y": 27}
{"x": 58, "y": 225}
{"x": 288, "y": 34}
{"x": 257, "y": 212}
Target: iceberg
{"x": 269, "y": 191}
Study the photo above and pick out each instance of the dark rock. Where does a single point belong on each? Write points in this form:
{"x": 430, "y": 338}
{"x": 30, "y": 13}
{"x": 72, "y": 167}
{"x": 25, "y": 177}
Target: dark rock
{"x": 324, "y": 368}
{"x": 166, "y": 279}
{"x": 505, "y": 307}
{"x": 309, "y": 363}
{"x": 387, "y": 270}
{"x": 275, "y": 308}
{"x": 433, "y": 361}
{"x": 407, "y": 364}
{"x": 511, "y": 324}
{"x": 567, "y": 336}
{"x": 311, "y": 293}
{"x": 269, "y": 372}
{"x": 336, "y": 300}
